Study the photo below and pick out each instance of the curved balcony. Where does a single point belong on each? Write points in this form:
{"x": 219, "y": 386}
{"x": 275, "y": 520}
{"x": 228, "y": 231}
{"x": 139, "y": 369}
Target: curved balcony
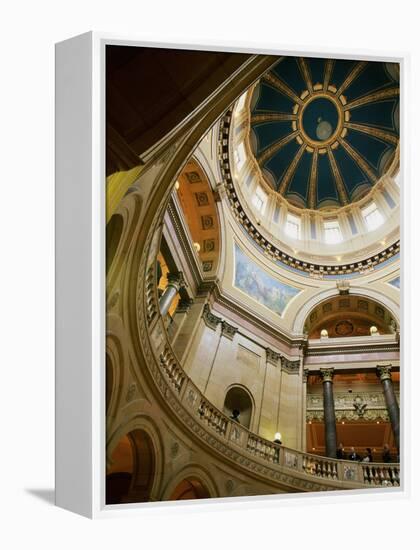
{"x": 290, "y": 469}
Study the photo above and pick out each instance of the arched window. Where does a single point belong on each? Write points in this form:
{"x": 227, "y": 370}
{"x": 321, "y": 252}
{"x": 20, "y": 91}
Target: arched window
{"x": 238, "y": 405}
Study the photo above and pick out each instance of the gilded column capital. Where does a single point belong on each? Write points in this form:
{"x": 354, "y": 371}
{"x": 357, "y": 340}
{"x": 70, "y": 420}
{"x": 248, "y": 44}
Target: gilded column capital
{"x": 384, "y": 372}
{"x": 327, "y": 374}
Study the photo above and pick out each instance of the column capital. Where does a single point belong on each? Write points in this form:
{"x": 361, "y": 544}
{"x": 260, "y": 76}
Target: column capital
{"x": 209, "y": 318}
{"x": 305, "y": 375}
{"x": 384, "y": 372}
{"x": 327, "y": 374}
{"x": 290, "y": 366}
{"x": 228, "y": 330}
{"x": 272, "y": 356}
{"x": 176, "y": 279}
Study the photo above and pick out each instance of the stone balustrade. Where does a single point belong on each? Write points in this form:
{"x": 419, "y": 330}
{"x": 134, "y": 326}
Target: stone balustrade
{"x": 303, "y": 471}
{"x": 172, "y": 369}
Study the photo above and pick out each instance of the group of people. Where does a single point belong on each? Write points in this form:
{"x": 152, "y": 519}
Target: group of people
{"x": 368, "y": 457}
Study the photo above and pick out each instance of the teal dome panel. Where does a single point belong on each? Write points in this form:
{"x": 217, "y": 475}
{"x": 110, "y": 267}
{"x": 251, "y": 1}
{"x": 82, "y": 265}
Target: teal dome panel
{"x": 324, "y": 129}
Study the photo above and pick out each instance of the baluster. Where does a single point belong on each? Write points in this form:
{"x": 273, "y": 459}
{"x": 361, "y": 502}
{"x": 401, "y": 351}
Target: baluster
{"x": 366, "y": 477}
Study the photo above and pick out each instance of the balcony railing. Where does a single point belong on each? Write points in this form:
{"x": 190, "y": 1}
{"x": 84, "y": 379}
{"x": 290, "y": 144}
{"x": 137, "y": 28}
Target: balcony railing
{"x": 304, "y": 471}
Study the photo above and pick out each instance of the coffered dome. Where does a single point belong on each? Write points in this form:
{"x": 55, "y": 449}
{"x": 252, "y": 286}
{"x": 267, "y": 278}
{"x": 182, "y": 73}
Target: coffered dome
{"x": 323, "y": 131}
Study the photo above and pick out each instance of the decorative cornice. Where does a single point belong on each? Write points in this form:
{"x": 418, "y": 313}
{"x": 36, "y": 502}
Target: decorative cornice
{"x": 291, "y": 367}
{"x": 248, "y": 315}
{"x": 209, "y": 318}
{"x": 335, "y": 349}
{"x": 272, "y": 356}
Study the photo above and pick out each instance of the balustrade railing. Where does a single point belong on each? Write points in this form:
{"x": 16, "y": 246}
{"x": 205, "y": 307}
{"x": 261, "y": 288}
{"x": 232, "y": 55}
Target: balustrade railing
{"x": 381, "y": 474}
{"x": 351, "y": 474}
{"x": 172, "y": 369}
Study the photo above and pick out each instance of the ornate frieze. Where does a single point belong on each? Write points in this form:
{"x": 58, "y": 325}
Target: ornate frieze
{"x": 367, "y": 406}
{"x": 291, "y": 367}
{"x": 209, "y": 318}
{"x": 272, "y": 356}
{"x": 228, "y": 330}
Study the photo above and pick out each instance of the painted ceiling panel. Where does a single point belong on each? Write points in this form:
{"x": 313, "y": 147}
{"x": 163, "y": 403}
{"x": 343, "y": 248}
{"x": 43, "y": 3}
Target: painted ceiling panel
{"x": 288, "y": 71}
{"x": 372, "y": 78}
{"x": 272, "y": 100}
{"x": 300, "y": 180}
{"x": 341, "y": 69}
{"x": 369, "y": 147}
{"x": 352, "y": 174}
{"x": 270, "y": 132}
{"x": 380, "y": 114}
{"x": 322, "y": 123}
{"x": 280, "y": 161}
{"x": 316, "y": 67}
{"x": 326, "y": 188}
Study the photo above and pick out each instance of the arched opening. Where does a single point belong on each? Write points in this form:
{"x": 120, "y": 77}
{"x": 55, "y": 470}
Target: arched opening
{"x": 114, "y": 230}
{"x": 346, "y": 316}
{"x": 190, "y": 489}
{"x": 238, "y": 405}
{"x": 131, "y": 475}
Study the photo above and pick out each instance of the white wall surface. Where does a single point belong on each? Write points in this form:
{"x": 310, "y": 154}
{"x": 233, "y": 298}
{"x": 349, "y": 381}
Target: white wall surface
{"x": 28, "y": 33}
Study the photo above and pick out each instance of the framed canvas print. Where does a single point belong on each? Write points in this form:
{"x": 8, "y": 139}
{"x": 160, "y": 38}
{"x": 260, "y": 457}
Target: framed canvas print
{"x": 228, "y": 273}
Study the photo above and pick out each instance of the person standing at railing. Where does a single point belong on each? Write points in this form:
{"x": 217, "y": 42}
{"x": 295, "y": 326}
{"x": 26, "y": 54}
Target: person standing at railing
{"x": 353, "y": 455}
{"x": 368, "y": 457}
{"x": 341, "y": 455}
{"x": 386, "y": 454}
{"x": 235, "y": 415}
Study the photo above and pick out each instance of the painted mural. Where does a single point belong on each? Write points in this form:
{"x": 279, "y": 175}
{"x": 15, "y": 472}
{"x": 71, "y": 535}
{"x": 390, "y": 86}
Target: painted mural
{"x": 259, "y": 285}
{"x": 395, "y": 282}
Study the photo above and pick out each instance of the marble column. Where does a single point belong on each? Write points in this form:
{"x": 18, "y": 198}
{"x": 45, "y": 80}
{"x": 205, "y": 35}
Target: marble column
{"x": 384, "y": 373}
{"x": 329, "y": 413}
{"x": 304, "y": 399}
{"x": 175, "y": 283}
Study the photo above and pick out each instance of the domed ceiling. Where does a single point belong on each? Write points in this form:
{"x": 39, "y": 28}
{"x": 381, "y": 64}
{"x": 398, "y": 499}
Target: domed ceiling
{"x": 324, "y": 131}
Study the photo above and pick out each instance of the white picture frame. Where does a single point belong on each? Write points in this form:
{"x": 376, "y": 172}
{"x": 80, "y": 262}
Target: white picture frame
{"x": 80, "y": 271}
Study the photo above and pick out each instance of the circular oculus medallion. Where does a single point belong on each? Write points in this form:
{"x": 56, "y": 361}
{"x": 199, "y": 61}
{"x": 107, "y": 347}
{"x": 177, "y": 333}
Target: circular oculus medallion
{"x": 320, "y": 119}
{"x": 344, "y": 328}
